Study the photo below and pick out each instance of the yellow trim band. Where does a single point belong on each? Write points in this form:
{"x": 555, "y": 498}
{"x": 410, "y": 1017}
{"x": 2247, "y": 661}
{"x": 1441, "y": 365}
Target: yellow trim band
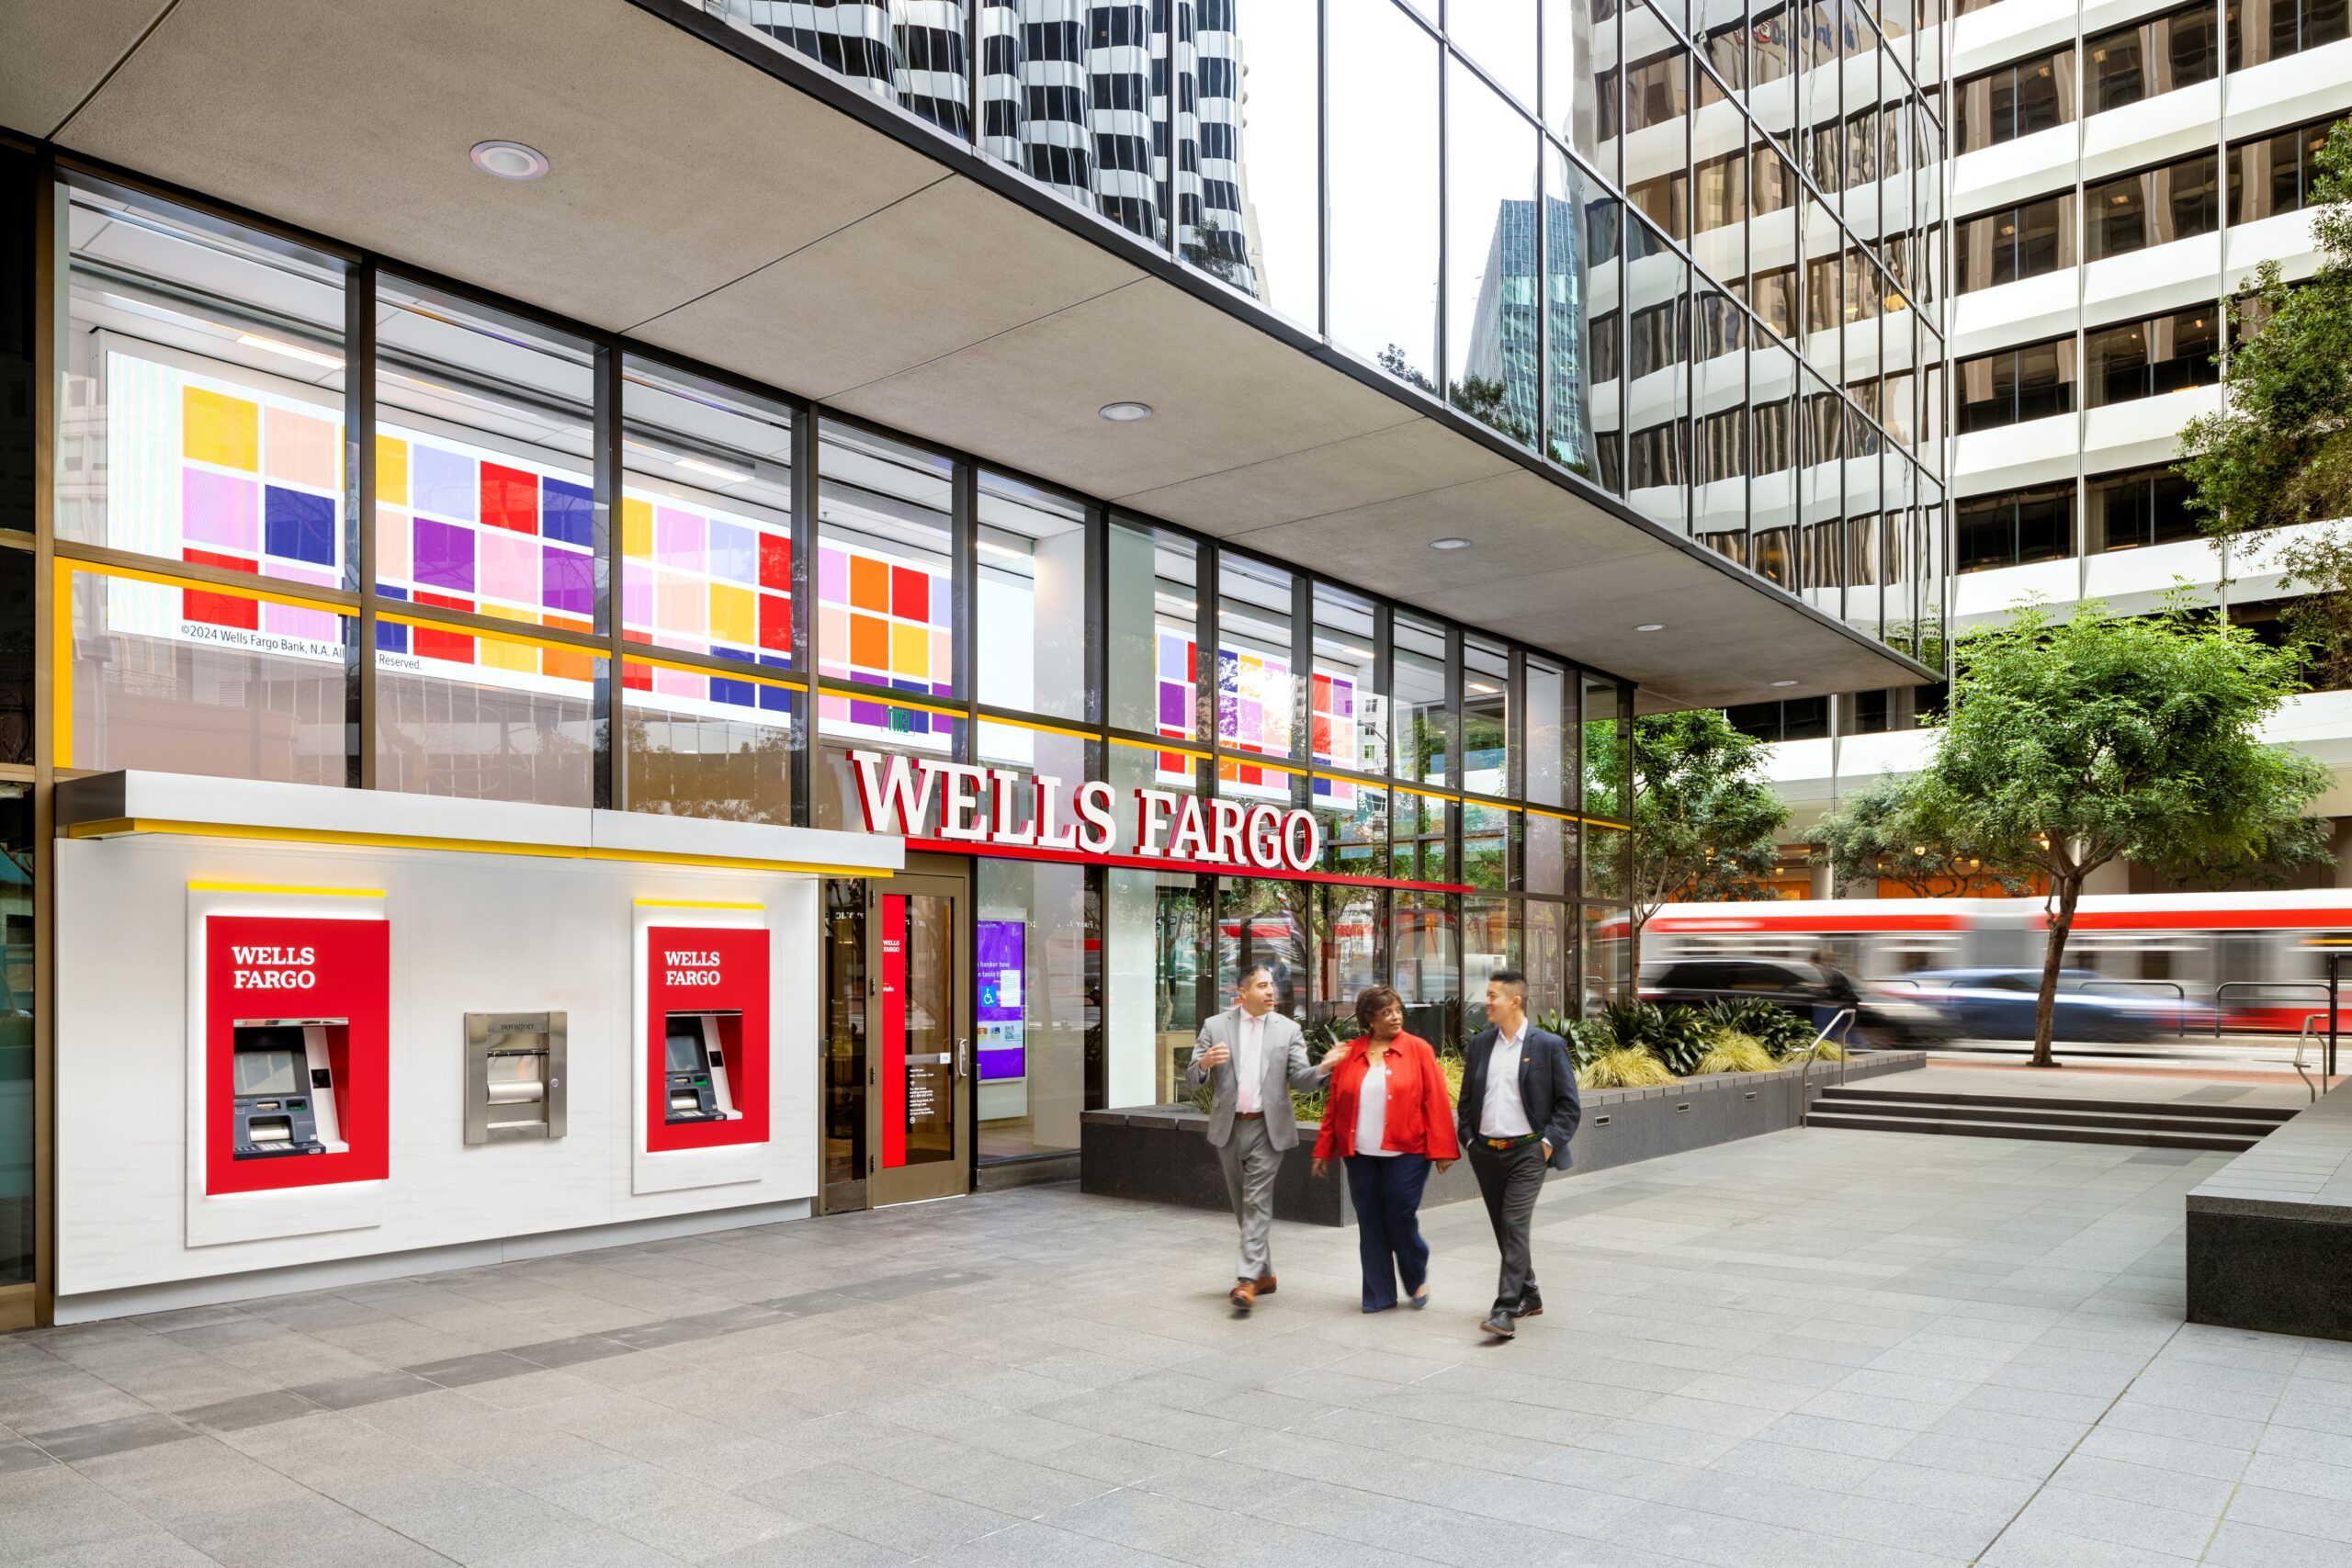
{"x": 273, "y": 887}
{"x": 693, "y": 904}
{"x": 120, "y": 826}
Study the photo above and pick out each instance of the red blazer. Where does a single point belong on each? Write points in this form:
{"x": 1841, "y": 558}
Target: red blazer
{"x": 1419, "y": 1117}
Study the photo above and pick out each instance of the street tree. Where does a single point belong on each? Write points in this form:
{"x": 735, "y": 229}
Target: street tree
{"x": 1877, "y": 834}
{"x": 2281, "y": 449}
{"x": 2072, "y": 743}
{"x": 1703, "y": 814}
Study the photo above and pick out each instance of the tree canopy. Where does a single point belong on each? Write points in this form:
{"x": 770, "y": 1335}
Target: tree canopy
{"x": 2072, "y": 743}
{"x": 1876, "y": 833}
{"x": 2281, "y": 449}
{"x": 1704, "y": 813}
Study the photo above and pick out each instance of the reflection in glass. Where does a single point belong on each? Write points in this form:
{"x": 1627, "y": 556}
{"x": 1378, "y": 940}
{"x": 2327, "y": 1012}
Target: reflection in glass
{"x": 885, "y": 583}
{"x": 1491, "y": 239}
{"x": 1383, "y": 180}
{"x": 1608, "y": 751}
{"x": 1347, "y": 716}
{"x": 1259, "y": 227}
{"x": 1257, "y": 690}
{"x": 1499, "y": 35}
{"x": 1486, "y": 718}
{"x": 1158, "y": 979}
{"x": 1029, "y": 653}
{"x": 908, "y": 52}
{"x": 1424, "y": 717}
{"x": 1424, "y": 955}
{"x": 1569, "y": 52}
{"x": 1581, "y": 291}
{"x": 1035, "y": 947}
{"x": 1150, "y": 623}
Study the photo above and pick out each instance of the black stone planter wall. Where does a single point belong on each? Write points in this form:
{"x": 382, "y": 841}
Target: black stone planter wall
{"x": 1161, "y": 1152}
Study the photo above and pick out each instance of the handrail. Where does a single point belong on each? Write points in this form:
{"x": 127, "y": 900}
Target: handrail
{"x": 1845, "y": 1049}
{"x": 2320, "y": 986}
{"x": 2302, "y": 1040}
{"x": 2180, "y": 1014}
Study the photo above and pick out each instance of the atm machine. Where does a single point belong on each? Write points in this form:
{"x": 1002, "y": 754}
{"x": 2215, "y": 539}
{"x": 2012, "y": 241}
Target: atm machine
{"x": 697, "y": 1063}
{"x": 282, "y": 1089}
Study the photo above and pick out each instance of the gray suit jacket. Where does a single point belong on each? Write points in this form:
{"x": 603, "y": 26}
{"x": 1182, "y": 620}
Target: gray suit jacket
{"x": 1285, "y": 1067}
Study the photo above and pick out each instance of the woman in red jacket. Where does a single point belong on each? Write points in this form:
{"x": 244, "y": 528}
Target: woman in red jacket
{"x": 1388, "y": 1116}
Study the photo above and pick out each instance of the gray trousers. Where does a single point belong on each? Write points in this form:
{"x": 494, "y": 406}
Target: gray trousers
{"x": 1511, "y": 1180}
{"x": 1249, "y": 1161}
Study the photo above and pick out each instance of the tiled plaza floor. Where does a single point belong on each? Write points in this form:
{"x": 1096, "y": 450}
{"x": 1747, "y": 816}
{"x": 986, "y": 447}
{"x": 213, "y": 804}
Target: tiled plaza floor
{"x": 1816, "y": 1348}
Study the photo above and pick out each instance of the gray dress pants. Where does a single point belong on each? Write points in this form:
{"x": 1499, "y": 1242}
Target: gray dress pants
{"x": 1511, "y": 1180}
{"x": 1249, "y": 1161}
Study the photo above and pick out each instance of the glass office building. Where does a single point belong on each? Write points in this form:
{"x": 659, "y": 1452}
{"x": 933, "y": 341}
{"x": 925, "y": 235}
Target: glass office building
{"x": 432, "y": 546}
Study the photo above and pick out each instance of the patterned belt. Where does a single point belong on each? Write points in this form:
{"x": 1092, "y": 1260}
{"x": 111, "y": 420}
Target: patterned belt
{"x": 1518, "y": 1142}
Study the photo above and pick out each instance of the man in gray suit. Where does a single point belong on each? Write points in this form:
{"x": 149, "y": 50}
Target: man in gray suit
{"x": 1254, "y": 1057}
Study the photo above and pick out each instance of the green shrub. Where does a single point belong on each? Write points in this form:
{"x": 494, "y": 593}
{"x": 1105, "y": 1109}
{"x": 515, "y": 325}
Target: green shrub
{"x": 1737, "y": 1052}
{"x": 1770, "y": 1025}
{"x": 1675, "y": 1036}
{"x": 1816, "y": 1051}
{"x": 1627, "y": 1066}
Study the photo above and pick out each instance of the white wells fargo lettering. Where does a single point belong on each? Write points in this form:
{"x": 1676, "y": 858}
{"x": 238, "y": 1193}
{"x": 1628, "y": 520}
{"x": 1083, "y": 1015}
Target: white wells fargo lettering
{"x": 690, "y": 968}
{"x": 273, "y": 968}
{"x": 995, "y": 805}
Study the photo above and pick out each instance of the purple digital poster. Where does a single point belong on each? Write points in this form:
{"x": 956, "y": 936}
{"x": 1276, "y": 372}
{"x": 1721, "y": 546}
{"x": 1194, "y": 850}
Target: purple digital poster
{"x": 1001, "y": 951}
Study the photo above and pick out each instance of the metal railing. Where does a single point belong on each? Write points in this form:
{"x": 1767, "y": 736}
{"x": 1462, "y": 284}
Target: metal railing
{"x": 2311, "y": 1023}
{"x": 2180, "y": 1015}
{"x": 1844, "y": 1051}
{"x": 2321, "y": 986}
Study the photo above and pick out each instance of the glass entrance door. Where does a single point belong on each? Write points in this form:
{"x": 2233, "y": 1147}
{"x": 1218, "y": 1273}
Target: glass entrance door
{"x": 920, "y": 1041}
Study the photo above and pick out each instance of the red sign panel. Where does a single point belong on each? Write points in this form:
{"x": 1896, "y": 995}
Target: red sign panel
{"x": 719, "y": 974}
{"x": 286, "y": 982}
{"x": 894, "y": 1030}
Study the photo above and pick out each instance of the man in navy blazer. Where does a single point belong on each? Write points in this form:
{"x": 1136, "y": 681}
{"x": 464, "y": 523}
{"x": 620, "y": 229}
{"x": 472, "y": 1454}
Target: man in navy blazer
{"x": 1517, "y": 1110}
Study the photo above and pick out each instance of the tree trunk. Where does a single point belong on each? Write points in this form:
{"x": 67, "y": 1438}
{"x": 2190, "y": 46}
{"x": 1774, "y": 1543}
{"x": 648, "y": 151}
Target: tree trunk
{"x": 2045, "y": 1007}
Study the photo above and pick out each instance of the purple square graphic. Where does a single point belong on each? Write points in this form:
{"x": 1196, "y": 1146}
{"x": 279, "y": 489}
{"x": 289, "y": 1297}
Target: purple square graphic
{"x": 219, "y": 509}
{"x": 1175, "y": 706}
{"x": 567, "y": 581}
{"x": 441, "y": 482}
{"x": 445, "y": 555}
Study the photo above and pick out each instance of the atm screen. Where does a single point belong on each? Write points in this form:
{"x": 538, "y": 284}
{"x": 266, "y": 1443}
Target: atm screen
{"x": 686, "y": 1047}
{"x": 268, "y": 1072}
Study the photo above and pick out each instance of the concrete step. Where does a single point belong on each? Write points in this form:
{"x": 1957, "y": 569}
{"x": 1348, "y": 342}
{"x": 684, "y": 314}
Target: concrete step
{"x": 2225, "y": 1143}
{"x": 2269, "y": 1115}
{"x": 2113, "y": 1116}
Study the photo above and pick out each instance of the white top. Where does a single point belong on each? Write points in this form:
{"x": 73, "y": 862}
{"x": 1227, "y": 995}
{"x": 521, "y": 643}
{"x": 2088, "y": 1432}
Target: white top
{"x": 1371, "y": 1113}
{"x": 1502, "y": 1115}
{"x": 1248, "y": 1063}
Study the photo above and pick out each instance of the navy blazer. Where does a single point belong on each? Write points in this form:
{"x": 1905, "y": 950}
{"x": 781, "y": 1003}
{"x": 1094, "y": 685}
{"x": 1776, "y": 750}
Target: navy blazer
{"x": 1547, "y": 1087}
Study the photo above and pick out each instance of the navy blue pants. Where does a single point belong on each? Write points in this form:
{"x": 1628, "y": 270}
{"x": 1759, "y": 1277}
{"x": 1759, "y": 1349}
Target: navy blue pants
{"x": 1387, "y": 1193}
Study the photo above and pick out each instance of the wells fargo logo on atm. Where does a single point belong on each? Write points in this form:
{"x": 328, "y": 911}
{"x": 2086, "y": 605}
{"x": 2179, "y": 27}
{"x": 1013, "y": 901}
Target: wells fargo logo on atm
{"x": 707, "y": 1037}
{"x": 297, "y": 1048}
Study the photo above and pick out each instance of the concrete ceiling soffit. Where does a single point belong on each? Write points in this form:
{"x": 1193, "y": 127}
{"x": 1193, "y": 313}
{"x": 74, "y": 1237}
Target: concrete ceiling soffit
{"x": 53, "y": 53}
{"x": 677, "y": 168}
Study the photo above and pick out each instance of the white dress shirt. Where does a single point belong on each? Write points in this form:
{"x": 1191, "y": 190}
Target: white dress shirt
{"x": 1248, "y": 1063}
{"x": 1502, "y": 1115}
{"x": 1371, "y": 1113}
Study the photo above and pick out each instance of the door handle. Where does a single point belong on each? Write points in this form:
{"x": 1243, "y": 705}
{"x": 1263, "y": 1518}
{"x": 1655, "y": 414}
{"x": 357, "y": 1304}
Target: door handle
{"x": 963, "y": 1058}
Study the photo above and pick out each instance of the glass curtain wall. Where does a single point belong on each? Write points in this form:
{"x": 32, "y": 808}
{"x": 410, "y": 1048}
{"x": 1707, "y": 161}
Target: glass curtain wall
{"x": 581, "y": 575}
{"x": 1442, "y": 191}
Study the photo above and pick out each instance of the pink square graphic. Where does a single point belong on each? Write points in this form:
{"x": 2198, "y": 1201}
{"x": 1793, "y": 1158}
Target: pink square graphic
{"x": 683, "y": 606}
{"x": 392, "y": 545}
{"x": 678, "y": 538}
{"x": 219, "y": 509}
{"x": 679, "y": 684}
{"x": 289, "y": 620}
{"x": 833, "y": 636}
{"x": 506, "y": 566}
{"x": 637, "y": 601}
{"x": 297, "y": 449}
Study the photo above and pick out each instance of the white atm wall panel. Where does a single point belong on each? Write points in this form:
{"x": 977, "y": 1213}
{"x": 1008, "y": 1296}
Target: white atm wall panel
{"x": 471, "y": 933}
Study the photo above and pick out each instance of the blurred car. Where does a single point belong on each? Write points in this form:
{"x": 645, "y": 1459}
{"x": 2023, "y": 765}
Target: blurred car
{"x": 1815, "y": 992}
{"x": 1999, "y": 1004}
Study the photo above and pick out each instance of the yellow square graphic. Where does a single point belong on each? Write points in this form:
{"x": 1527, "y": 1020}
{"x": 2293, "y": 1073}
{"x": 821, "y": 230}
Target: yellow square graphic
{"x": 218, "y": 428}
{"x": 391, "y": 471}
{"x": 636, "y": 528}
{"x": 496, "y": 653}
{"x": 910, "y": 651}
{"x": 734, "y": 615}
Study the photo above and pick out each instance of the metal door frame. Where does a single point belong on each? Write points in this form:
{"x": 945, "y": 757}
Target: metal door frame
{"x": 949, "y": 877}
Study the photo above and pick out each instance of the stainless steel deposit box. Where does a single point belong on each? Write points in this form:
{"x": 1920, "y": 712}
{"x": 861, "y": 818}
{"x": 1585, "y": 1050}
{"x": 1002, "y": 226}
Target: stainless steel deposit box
{"x": 514, "y": 1074}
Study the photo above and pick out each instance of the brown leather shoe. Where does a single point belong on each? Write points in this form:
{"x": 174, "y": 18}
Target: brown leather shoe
{"x": 1265, "y": 1284}
{"x": 1244, "y": 1294}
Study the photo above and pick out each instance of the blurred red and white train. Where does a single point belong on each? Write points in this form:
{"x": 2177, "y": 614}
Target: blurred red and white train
{"x": 2257, "y": 959}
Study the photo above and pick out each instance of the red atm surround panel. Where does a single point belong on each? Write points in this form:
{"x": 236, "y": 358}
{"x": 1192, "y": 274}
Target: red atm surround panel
{"x": 277, "y": 967}
{"x": 709, "y": 969}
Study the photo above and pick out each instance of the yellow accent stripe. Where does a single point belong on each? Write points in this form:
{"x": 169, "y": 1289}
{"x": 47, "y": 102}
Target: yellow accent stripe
{"x": 850, "y": 696}
{"x": 1033, "y": 725}
{"x": 636, "y": 653}
{"x": 61, "y": 667}
{"x": 1179, "y": 746}
{"x": 263, "y": 589}
{"x": 119, "y": 826}
{"x": 453, "y": 629}
{"x": 275, "y": 887}
{"x": 693, "y": 904}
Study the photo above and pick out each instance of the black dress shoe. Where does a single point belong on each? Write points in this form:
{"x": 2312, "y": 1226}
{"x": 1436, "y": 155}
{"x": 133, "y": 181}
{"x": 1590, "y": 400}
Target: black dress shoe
{"x": 1499, "y": 1325}
{"x": 1529, "y": 1306}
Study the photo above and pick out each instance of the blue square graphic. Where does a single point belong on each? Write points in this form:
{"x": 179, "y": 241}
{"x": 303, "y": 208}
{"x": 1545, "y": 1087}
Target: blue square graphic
{"x": 296, "y": 526}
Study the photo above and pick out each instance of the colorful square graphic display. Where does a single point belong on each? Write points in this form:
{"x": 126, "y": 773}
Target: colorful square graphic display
{"x": 1253, "y": 714}
{"x": 889, "y": 623}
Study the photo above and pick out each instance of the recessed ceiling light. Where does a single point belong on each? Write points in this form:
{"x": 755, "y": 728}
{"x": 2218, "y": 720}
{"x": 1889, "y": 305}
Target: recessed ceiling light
{"x": 1449, "y": 543}
{"x": 1125, "y": 413}
{"x": 291, "y": 350}
{"x": 719, "y": 471}
{"x": 509, "y": 159}
{"x": 1785, "y": 683}
{"x": 1650, "y": 626}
